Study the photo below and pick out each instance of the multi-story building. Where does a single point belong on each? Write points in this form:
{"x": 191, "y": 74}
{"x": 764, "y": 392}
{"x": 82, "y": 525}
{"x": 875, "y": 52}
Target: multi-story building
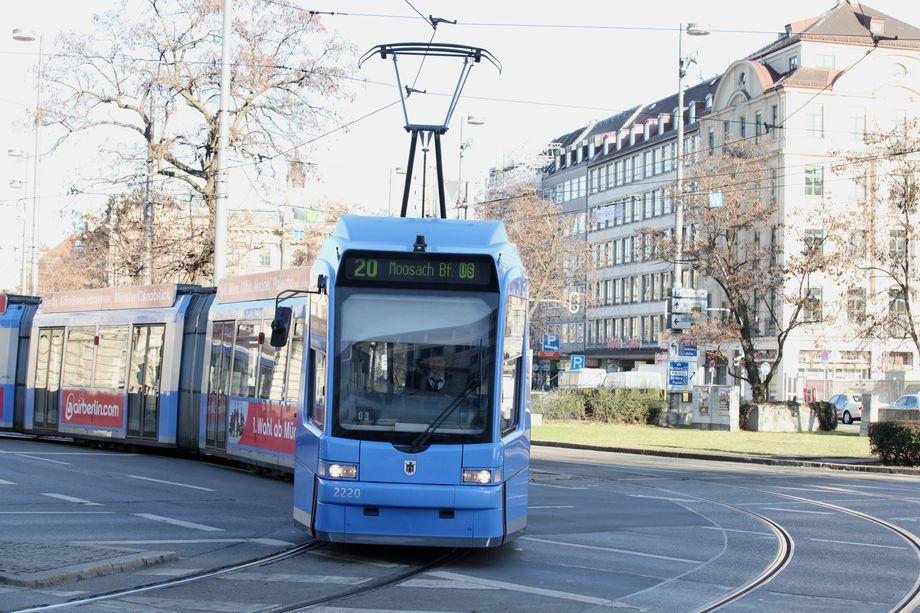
{"x": 805, "y": 97}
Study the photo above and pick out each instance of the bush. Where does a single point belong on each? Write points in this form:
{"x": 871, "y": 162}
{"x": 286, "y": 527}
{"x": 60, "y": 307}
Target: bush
{"x": 744, "y": 413}
{"x": 564, "y": 405}
{"x": 896, "y": 442}
{"x": 827, "y": 414}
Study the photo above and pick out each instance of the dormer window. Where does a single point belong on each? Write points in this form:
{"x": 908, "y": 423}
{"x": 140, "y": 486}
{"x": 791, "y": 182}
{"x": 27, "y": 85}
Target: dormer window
{"x": 579, "y": 154}
{"x": 661, "y": 123}
{"x": 676, "y": 115}
{"x": 591, "y": 148}
{"x": 742, "y": 80}
{"x": 632, "y": 137}
{"x": 708, "y": 102}
{"x": 568, "y": 157}
{"x": 558, "y": 161}
{"x": 793, "y": 62}
{"x": 606, "y": 145}
{"x": 692, "y": 111}
{"x": 647, "y": 130}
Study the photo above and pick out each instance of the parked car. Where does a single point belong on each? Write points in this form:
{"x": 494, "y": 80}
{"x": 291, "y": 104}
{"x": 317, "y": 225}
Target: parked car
{"x": 849, "y": 407}
{"x": 907, "y": 401}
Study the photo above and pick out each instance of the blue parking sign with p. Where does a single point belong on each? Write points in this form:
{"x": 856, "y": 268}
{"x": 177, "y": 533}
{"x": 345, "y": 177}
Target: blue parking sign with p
{"x": 576, "y": 362}
{"x": 550, "y": 343}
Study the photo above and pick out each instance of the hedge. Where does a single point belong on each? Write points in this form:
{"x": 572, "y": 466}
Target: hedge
{"x": 826, "y": 413}
{"x": 622, "y": 406}
{"x": 896, "y": 442}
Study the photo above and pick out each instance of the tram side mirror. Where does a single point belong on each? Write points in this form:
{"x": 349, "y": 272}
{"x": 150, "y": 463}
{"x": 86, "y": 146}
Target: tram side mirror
{"x": 281, "y": 326}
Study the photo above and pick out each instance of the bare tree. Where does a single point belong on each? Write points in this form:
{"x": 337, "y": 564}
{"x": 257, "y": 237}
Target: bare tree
{"x": 734, "y": 241}
{"x": 554, "y": 255}
{"x": 152, "y": 83}
{"x": 72, "y": 264}
{"x": 878, "y": 238}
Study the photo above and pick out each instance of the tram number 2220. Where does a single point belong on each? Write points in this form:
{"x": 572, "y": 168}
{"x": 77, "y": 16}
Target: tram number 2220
{"x": 347, "y": 492}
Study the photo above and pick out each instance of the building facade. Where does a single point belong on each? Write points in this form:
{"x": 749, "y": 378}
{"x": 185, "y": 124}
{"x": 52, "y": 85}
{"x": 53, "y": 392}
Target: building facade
{"x": 804, "y": 98}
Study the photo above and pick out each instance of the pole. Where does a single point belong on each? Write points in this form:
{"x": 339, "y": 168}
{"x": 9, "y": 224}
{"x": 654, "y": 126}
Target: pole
{"x": 24, "y": 271}
{"x": 390, "y": 193}
{"x": 440, "y": 169}
{"x": 223, "y": 126}
{"x": 678, "y": 201}
{"x": 36, "y": 168}
{"x": 148, "y": 201}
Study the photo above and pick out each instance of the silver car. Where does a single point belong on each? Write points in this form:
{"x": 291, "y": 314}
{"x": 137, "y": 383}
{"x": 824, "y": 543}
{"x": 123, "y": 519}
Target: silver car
{"x": 907, "y": 401}
{"x": 849, "y": 407}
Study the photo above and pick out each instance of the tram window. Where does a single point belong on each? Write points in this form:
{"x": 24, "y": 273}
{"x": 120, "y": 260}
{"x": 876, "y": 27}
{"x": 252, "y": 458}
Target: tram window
{"x": 245, "y": 359}
{"x": 512, "y": 362}
{"x": 272, "y": 367}
{"x": 111, "y": 358}
{"x": 78, "y": 357}
{"x": 295, "y": 361}
{"x": 319, "y": 317}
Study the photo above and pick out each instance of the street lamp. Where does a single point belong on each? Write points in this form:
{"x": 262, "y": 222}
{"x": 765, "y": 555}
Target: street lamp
{"x": 399, "y": 170}
{"x": 26, "y": 35}
{"x": 461, "y": 192}
{"x": 692, "y": 29}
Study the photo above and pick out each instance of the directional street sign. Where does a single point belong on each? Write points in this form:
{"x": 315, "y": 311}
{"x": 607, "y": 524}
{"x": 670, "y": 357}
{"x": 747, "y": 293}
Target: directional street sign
{"x": 684, "y": 351}
{"x": 576, "y": 362}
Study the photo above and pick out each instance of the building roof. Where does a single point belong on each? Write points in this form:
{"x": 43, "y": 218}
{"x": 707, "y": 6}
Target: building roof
{"x": 612, "y": 123}
{"x": 847, "y": 23}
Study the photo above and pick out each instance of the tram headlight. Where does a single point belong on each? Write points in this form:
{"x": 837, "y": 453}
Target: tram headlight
{"x": 338, "y": 471}
{"x": 477, "y": 475}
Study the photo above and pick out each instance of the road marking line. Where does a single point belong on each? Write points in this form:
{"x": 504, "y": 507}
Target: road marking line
{"x": 35, "y": 457}
{"x": 257, "y": 541}
{"x": 169, "y": 572}
{"x": 446, "y": 583}
{"x": 194, "y": 487}
{"x": 72, "y": 499}
{"x": 662, "y": 498}
{"x": 57, "y": 512}
{"x": 612, "y": 549}
{"x": 904, "y": 518}
{"x": 766, "y": 534}
{"x": 515, "y": 587}
{"x": 559, "y": 506}
{"x": 377, "y": 610}
{"x": 187, "y": 604}
{"x": 178, "y": 522}
{"x": 560, "y": 487}
{"x": 97, "y": 453}
{"x": 347, "y": 557}
{"x": 3, "y": 482}
{"x": 295, "y": 578}
{"x": 858, "y": 544}
{"x": 797, "y": 511}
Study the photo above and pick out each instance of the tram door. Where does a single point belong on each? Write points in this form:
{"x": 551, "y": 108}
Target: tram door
{"x": 219, "y": 384}
{"x": 48, "y": 378}
{"x": 144, "y": 380}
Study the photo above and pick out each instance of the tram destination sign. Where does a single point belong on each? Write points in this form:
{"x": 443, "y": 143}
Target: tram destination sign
{"x": 429, "y": 269}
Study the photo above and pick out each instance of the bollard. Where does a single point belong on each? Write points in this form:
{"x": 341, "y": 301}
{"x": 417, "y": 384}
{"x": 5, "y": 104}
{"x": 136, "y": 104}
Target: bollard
{"x": 871, "y": 403}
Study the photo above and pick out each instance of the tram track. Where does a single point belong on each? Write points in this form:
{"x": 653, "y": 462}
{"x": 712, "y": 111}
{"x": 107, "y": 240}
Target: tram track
{"x": 212, "y": 573}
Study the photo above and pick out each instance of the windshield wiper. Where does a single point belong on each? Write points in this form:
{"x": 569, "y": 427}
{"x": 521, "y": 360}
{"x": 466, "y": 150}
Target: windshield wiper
{"x": 423, "y": 437}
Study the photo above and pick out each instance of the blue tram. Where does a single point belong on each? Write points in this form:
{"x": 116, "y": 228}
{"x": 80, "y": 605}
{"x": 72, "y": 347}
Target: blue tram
{"x": 118, "y": 364}
{"x": 416, "y": 421}
{"x": 251, "y": 391}
{"x": 16, "y": 314}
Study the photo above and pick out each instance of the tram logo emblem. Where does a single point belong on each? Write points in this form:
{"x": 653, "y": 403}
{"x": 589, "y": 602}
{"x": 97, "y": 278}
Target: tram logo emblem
{"x": 409, "y": 467}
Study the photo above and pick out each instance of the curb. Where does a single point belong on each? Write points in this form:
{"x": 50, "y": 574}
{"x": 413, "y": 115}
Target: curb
{"x": 89, "y": 570}
{"x": 745, "y": 459}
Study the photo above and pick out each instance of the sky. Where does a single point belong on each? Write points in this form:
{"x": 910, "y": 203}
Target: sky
{"x": 554, "y": 79}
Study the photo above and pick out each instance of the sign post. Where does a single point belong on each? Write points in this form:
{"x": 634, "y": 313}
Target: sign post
{"x": 576, "y": 362}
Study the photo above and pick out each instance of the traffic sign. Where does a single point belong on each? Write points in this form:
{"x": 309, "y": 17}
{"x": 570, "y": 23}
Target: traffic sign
{"x": 683, "y": 350}
{"x": 764, "y": 369}
{"x": 681, "y": 321}
{"x": 686, "y": 292}
{"x": 550, "y": 343}
{"x": 678, "y": 367}
{"x": 679, "y": 383}
{"x": 576, "y": 362}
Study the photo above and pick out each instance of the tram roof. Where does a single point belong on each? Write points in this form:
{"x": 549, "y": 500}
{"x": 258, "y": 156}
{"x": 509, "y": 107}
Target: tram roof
{"x": 441, "y": 235}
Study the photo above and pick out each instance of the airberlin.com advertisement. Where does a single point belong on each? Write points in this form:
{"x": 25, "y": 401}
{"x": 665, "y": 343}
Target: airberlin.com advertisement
{"x": 93, "y": 408}
{"x": 262, "y": 425}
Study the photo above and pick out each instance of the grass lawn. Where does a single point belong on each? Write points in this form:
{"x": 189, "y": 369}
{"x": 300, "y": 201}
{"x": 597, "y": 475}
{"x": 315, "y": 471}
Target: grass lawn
{"x": 798, "y": 444}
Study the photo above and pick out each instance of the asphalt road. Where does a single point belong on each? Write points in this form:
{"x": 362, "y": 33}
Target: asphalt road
{"x": 606, "y": 530}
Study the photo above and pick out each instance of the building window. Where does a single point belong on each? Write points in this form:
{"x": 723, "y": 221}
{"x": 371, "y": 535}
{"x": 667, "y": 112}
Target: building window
{"x": 758, "y": 124}
{"x": 858, "y": 126}
{"x": 637, "y": 167}
{"x": 265, "y": 257}
{"x": 815, "y": 121}
{"x": 814, "y": 181}
{"x": 814, "y": 242}
{"x": 627, "y": 165}
{"x": 774, "y": 120}
{"x": 712, "y": 141}
{"x": 773, "y": 189}
{"x": 793, "y": 62}
{"x": 708, "y": 102}
{"x": 648, "y": 162}
{"x": 692, "y": 111}
{"x": 657, "y": 154}
{"x": 656, "y": 197}
{"x": 666, "y": 203}
{"x": 726, "y": 130}
{"x": 897, "y": 307}
{"x": 647, "y": 204}
{"x": 742, "y": 126}
{"x": 813, "y": 309}
{"x": 618, "y": 174}
{"x": 897, "y": 245}
{"x": 856, "y": 306}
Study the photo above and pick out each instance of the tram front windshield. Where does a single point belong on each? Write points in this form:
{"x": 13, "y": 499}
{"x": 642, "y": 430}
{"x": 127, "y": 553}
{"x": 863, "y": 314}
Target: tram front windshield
{"x": 403, "y": 357}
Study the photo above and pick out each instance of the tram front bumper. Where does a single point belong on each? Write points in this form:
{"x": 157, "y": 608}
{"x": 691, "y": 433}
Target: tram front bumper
{"x": 408, "y": 514}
